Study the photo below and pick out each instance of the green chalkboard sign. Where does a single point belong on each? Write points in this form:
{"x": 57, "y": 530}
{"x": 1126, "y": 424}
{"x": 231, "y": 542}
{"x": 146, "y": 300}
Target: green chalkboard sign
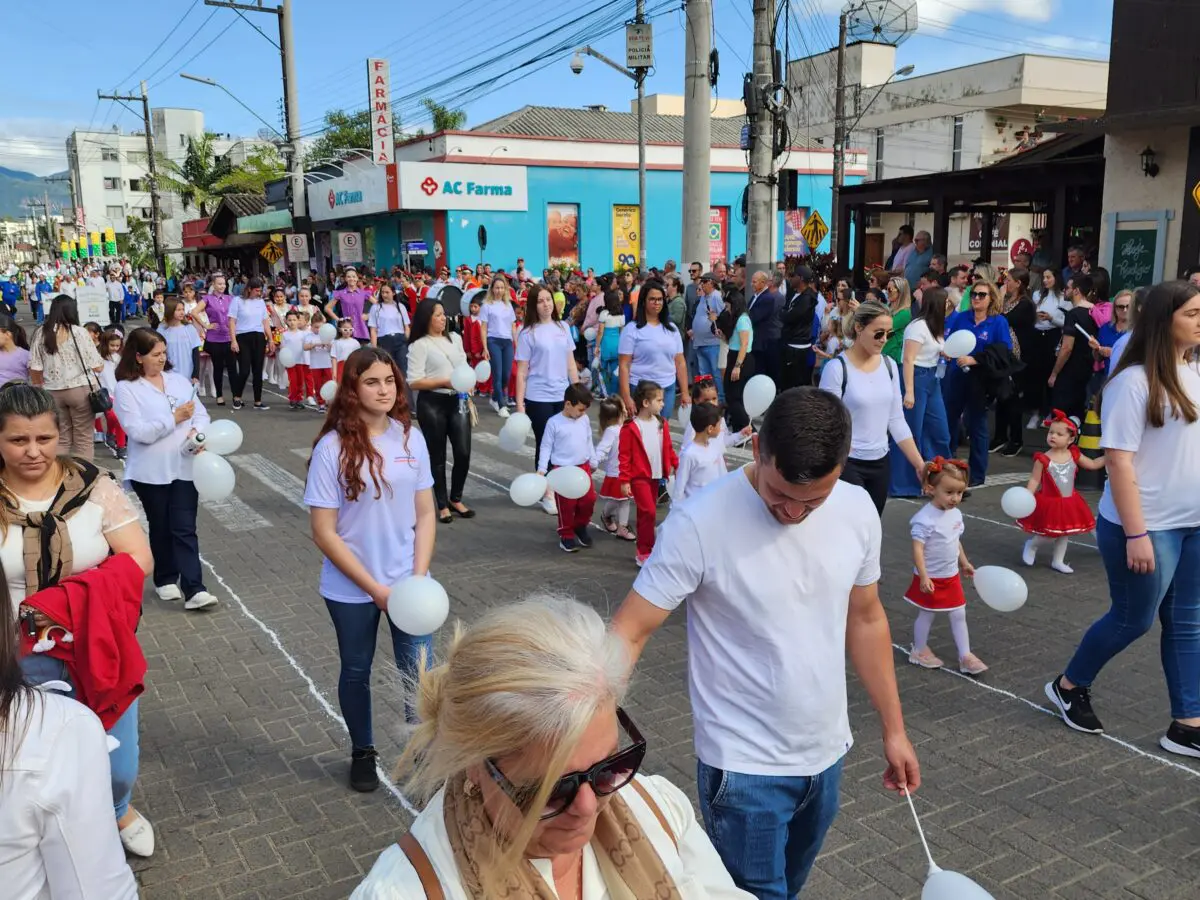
{"x": 1133, "y": 259}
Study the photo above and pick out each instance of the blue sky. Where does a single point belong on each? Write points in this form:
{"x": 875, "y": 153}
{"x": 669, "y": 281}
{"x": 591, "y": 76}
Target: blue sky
{"x": 52, "y": 73}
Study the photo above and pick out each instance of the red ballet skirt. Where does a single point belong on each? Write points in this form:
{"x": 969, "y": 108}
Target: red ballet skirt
{"x": 610, "y": 489}
{"x": 947, "y": 594}
{"x": 1056, "y": 515}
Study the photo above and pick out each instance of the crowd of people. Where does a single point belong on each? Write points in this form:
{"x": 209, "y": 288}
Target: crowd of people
{"x": 520, "y": 745}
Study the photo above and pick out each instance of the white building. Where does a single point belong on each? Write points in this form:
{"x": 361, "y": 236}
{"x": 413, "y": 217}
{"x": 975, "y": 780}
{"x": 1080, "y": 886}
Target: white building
{"x": 110, "y": 169}
{"x": 957, "y": 119}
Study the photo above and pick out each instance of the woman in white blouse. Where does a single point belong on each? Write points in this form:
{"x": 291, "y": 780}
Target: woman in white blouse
{"x": 498, "y": 327}
{"x": 869, "y": 385}
{"x": 250, "y": 329}
{"x": 1052, "y": 307}
{"x": 56, "y": 832}
{"x": 63, "y": 359}
{"x": 924, "y": 408}
{"x": 522, "y": 744}
{"x": 159, "y": 411}
{"x": 441, "y": 414}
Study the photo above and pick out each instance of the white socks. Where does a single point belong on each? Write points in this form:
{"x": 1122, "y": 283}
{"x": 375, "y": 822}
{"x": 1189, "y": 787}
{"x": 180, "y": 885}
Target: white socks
{"x": 1058, "y": 556}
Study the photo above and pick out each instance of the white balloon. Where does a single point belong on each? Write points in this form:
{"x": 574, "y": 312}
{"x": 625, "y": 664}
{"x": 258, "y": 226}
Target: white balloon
{"x": 1000, "y": 588}
{"x": 213, "y": 476}
{"x": 327, "y": 333}
{"x": 1018, "y": 502}
{"x": 511, "y": 442}
{"x": 570, "y": 481}
{"x": 518, "y": 423}
{"x": 483, "y": 370}
{"x": 418, "y": 605}
{"x": 328, "y": 389}
{"x": 758, "y": 395}
{"x": 961, "y": 343}
{"x": 944, "y": 885}
{"x": 528, "y": 489}
{"x": 222, "y": 437}
{"x": 287, "y": 358}
{"x": 590, "y": 334}
{"x": 462, "y": 379}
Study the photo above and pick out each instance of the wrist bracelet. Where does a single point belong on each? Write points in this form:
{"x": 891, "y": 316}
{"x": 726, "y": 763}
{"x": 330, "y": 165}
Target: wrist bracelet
{"x": 1134, "y": 537}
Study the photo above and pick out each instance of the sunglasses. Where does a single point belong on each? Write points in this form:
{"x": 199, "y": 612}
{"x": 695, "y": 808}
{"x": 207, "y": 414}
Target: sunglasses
{"x": 606, "y": 777}
{"x": 1122, "y": 306}
{"x": 882, "y": 335}
{"x": 980, "y": 295}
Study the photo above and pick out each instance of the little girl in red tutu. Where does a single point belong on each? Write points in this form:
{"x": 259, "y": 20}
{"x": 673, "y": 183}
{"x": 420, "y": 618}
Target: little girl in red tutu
{"x": 1060, "y": 511}
{"x": 938, "y": 559}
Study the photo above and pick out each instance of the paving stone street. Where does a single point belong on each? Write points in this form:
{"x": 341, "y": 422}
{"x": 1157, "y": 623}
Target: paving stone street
{"x": 245, "y": 759}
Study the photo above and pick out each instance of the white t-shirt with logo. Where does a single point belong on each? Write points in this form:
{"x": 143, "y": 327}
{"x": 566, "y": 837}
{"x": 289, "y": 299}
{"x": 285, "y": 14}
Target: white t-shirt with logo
{"x": 767, "y": 609}
{"x": 1166, "y": 460}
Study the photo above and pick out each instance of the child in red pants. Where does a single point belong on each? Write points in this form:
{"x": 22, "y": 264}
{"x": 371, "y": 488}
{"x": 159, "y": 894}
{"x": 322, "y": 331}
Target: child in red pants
{"x": 293, "y": 342}
{"x": 567, "y": 441}
{"x": 646, "y": 457}
{"x": 472, "y": 336}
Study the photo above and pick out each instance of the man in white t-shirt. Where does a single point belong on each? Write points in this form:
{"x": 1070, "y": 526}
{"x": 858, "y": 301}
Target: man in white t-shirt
{"x": 777, "y": 597}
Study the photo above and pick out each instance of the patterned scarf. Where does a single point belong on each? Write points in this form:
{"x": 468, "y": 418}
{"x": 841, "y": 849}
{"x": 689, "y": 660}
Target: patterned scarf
{"x": 47, "y": 548}
{"x": 632, "y": 869}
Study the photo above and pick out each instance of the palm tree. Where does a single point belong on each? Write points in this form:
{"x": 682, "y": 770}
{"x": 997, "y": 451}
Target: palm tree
{"x": 195, "y": 180}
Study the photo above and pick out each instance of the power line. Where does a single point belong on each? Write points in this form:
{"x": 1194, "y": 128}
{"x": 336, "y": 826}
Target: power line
{"x": 220, "y": 34}
{"x": 171, "y": 58}
{"x": 158, "y": 46}
{"x": 270, "y": 40}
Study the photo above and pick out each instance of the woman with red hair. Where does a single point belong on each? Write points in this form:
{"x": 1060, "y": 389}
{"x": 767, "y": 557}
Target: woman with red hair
{"x": 373, "y": 517}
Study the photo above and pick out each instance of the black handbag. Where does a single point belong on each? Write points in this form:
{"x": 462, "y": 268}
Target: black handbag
{"x": 98, "y": 399}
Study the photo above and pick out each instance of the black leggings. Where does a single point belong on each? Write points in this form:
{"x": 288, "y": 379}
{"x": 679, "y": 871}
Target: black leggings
{"x": 870, "y": 474}
{"x": 440, "y": 418}
{"x": 734, "y": 389}
{"x": 252, "y": 350}
{"x": 1039, "y": 363}
{"x": 222, "y": 358}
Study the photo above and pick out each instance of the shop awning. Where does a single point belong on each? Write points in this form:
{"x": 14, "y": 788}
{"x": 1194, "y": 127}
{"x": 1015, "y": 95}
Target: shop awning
{"x": 275, "y": 220}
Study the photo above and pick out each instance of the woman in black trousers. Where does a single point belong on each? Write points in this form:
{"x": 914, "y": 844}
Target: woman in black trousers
{"x": 251, "y": 330}
{"x": 735, "y": 326}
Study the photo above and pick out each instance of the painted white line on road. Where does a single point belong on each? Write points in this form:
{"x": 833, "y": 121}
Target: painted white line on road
{"x": 987, "y": 520}
{"x": 271, "y": 634}
{"x": 273, "y": 476}
{"x": 1162, "y": 760}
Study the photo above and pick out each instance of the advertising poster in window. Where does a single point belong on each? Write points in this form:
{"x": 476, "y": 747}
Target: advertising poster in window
{"x": 627, "y": 236}
{"x": 562, "y": 233}
{"x": 718, "y": 234}
{"x": 794, "y": 243}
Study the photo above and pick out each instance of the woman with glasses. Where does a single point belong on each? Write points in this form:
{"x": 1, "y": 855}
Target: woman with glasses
{"x": 652, "y": 350}
{"x": 984, "y": 320}
{"x": 1111, "y": 333}
{"x": 531, "y": 767}
{"x": 869, "y": 384}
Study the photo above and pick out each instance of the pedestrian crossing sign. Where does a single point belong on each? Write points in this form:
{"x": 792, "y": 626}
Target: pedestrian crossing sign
{"x": 814, "y": 230}
{"x": 271, "y": 252}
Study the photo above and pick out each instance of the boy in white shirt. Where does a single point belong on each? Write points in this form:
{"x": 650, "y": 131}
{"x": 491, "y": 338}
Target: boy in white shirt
{"x": 568, "y": 442}
{"x": 703, "y": 460}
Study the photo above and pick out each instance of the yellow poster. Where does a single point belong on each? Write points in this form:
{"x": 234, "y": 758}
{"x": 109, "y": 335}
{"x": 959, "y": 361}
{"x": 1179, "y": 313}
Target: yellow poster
{"x": 627, "y": 236}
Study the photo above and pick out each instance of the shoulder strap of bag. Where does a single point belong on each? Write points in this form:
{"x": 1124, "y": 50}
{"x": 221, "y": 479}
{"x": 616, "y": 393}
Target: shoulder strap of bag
{"x": 420, "y": 862}
{"x": 87, "y": 373}
{"x": 845, "y": 374}
{"x": 887, "y": 364}
{"x": 657, "y": 810}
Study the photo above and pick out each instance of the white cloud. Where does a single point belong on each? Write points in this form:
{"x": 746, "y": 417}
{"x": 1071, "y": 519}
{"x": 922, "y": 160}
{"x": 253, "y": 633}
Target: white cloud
{"x": 33, "y": 145}
{"x": 946, "y": 11}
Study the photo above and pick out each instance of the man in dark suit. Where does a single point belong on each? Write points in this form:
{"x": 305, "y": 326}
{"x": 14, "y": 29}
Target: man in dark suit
{"x": 796, "y": 340}
{"x": 763, "y": 309}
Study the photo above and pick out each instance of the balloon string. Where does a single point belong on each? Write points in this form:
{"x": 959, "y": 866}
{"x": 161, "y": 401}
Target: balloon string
{"x": 920, "y": 830}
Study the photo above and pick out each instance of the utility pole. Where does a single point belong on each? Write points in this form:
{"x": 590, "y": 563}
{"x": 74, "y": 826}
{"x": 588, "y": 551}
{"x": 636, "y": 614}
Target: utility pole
{"x": 291, "y": 108}
{"x": 697, "y": 133}
{"x": 640, "y": 72}
{"x": 160, "y": 263}
{"x": 839, "y": 136}
{"x": 759, "y": 252}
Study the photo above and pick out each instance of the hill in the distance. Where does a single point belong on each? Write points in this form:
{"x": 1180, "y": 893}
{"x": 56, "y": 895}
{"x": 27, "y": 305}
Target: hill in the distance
{"x": 17, "y": 186}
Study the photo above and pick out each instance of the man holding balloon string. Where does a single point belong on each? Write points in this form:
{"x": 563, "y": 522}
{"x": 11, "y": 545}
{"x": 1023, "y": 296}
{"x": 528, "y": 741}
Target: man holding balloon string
{"x": 766, "y": 648}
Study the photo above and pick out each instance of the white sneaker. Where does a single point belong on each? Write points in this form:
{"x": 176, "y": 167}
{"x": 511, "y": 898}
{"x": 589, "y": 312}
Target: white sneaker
{"x": 1029, "y": 553}
{"x": 310, "y": 402}
{"x": 200, "y": 600}
{"x": 495, "y": 406}
{"x": 1035, "y": 421}
{"x": 169, "y": 592}
{"x": 138, "y": 837}
{"x": 504, "y": 413}
{"x": 549, "y": 506}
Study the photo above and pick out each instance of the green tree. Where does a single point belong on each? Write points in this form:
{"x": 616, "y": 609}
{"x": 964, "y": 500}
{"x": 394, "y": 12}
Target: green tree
{"x": 444, "y": 118}
{"x": 343, "y": 131}
{"x": 195, "y": 180}
{"x": 137, "y": 245}
{"x": 251, "y": 177}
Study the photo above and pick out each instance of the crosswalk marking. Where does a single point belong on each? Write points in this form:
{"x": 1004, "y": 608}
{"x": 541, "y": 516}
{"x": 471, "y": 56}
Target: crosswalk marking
{"x": 231, "y": 513}
{"x": 273, "y": 476}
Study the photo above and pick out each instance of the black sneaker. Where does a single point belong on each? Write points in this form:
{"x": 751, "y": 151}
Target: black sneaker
{"x": 1012, "y": 449}
{"x": 1075, "y": 706}
{"x": 364, "y": 777}
{"x": 568, "y": 545}
{"x": 997, "y": 445}
{"x": 582, "y": 536}
{"x": 1183, "y": 740}
{"x": 237, "y": 403}
{"x": 261, "y": 406}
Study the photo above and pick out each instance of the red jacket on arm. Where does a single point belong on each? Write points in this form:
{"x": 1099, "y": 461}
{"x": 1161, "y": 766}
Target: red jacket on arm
{"x": 631, "y": 452}
{"x": 101, "y": 608}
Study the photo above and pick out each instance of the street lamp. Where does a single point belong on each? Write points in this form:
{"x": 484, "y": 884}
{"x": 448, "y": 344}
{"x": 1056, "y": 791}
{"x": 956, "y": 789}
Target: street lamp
{"x": 639, "y": 78}
{"x": 213, "y": 83}
{"x": 902, "y": 72}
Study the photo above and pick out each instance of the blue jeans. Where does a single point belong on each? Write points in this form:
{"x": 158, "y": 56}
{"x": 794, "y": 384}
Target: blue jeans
{"x": 1171, "y": 591}
{"x": 357, "y": 627}
{"x": 501, "y": 352}
{"x": 768, "y": 829}
{"x": 706, "y": 364}
{"x": 927, "y": 421}
{"x": 956, "y": 389}
{"x": 123, "y": 761}
{"x": 669, "y": 399}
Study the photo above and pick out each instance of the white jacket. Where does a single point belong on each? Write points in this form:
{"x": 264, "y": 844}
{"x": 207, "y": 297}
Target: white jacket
{"x": 695, "y": 866}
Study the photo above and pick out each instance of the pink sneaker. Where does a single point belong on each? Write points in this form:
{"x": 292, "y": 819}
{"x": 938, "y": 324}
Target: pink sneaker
{"x": 624, "y": 534}
{"x": 972, "y": 665}
{"x": 925, "y": 659}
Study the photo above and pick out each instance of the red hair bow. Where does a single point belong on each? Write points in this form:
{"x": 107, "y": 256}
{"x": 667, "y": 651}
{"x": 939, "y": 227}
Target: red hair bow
{"x": 940, "y": 462}
{"x": 702, "y": 379}
{"x": 1057, "y": 415}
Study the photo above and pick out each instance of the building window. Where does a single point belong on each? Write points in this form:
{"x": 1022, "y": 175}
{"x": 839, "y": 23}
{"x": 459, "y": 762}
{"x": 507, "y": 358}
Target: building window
{"x": 144, "y": 212}
{"x": 137, "y": 158}
{"x": 112, "y": 184}
{"x": 956, "y": 153}
{"x": 879, "y": 154}
{"x": 107, "y": 154}
{"x": 183, "y": 140}
{"x": 874, "y": 220}
{"x": 115, "y": 213}
{"x": 137, "y": 184}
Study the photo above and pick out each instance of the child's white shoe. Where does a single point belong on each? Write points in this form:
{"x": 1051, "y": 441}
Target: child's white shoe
{"x": 925, "y": 659}
{"x": 1029, "y": 554}
{"x": 1062, "y": 567}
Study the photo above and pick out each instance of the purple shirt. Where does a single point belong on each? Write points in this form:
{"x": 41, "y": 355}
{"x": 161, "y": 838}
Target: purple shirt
{"x": 353, "y": 303}
{"x": 14, "y": 365}
{"x": 216, "y": 307}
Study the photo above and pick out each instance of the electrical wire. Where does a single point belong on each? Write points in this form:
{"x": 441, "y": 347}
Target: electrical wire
{"x": 270, "y": 40}
{"x": 157, "y": 47}
{"x": 218, "y": 36}
{"x": 171, "y": 57}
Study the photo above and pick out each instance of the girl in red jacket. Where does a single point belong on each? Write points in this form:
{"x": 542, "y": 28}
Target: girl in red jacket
{"x": 646, "y": 457}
